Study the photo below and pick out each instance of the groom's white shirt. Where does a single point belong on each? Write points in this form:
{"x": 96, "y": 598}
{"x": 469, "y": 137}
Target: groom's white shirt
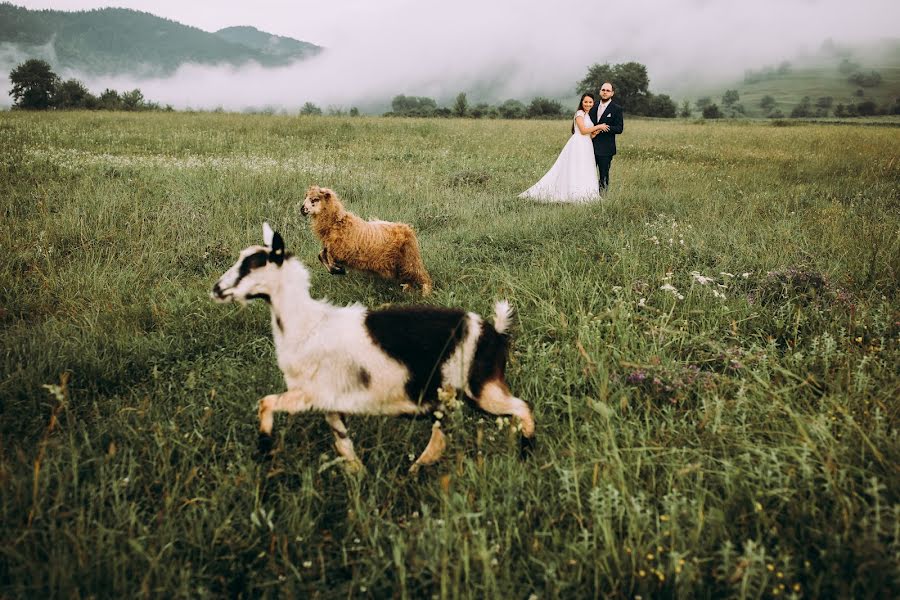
{"x": 602, "y": 108}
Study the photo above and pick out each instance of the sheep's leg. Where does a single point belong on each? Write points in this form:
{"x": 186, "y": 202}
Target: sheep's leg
{"x": 334, "y": 267}
{"x": 412, "y": 269}
{"x": 496, "y": 399}
{"x": 342, "y": 442}
{"x": 433, "y": 451}
{"x": 290, "y": 401}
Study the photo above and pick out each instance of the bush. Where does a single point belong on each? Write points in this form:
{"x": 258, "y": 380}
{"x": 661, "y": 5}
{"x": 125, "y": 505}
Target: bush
{"x": 310, "y": 109}
{"x": 512, "y": 109}
{"x": 803, "y": 110}
{"x": 712, "y": 112}
{"x": 544, "y": 107}
{"x": 872, "y": 79}
{"x": 661, "y": 105}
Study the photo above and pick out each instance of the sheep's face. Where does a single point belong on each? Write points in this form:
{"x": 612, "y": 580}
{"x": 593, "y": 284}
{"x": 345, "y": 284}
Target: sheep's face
{"x": 254, "y": 273}
{"x": 317, "y": 199}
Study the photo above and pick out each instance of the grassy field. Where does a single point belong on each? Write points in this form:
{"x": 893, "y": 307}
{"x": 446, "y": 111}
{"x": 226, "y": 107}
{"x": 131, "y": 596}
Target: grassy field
{"x": 711, "y": 353}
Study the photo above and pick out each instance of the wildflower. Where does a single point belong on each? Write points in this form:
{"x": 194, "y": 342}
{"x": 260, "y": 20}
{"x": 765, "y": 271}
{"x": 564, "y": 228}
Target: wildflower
{"x": 718, "y": 294}
{"x": 637, "y": 377}
{"x": 671, "y": 288}
{"x": 307, "y": 564}
{"x": 701, "y": 279}
{"x": 642, "y": 303}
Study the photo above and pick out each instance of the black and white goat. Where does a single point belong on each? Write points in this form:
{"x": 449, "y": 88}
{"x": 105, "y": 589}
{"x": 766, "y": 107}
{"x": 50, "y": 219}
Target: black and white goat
{"x": 352, "y": 360}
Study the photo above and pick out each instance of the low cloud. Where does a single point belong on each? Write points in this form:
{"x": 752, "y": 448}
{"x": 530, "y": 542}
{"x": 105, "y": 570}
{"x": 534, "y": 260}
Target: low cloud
{"x": 512, "y": 50}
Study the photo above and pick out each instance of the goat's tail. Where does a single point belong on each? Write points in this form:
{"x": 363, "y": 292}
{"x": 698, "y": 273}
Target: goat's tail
{"x": 503, "y": 316}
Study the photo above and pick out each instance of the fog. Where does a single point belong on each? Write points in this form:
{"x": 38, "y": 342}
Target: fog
{"x": 493, "y": 50}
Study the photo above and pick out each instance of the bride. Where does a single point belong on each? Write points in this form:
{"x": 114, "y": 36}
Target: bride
{"x": 573, "y": 177}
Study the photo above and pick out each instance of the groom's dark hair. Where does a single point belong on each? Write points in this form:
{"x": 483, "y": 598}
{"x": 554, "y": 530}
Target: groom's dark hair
{"x": 583, "y": 96}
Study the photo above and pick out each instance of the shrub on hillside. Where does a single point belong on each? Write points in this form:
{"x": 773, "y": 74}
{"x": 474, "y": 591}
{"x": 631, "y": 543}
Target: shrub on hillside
{"x": 712, "y": 112}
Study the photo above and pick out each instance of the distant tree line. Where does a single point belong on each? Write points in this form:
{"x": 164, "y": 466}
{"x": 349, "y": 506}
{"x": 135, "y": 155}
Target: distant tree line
{"x": 420, "y": 106}
{"x": 36, "y": 87}
{"x": 805, "y": 109}
{"x": 767, "y": 73}
{"x": 630, "y": 80}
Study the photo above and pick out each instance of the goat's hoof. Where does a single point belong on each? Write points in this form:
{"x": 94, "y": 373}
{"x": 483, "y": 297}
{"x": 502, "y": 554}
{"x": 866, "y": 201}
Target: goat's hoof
{"x": 337, "y": 270}
{"x": 527, "y": 447}
{"x": 264, "y": 444}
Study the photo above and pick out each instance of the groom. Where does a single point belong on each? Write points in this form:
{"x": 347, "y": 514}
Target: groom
{"x": 608, "y": 116}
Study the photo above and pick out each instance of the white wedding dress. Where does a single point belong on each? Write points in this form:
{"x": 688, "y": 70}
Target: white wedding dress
{"x": 573, "y": 177}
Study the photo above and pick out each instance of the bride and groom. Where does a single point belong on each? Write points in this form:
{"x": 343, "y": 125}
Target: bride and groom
{"x": 573, "y": 177}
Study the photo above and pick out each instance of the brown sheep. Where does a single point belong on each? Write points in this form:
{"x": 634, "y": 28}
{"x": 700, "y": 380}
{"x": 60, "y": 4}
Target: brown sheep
{"x": 388, "y": 249}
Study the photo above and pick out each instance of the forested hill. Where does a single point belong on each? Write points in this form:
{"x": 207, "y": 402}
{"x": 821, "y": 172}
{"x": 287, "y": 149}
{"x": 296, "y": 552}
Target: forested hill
{"x": 118, "y": 41}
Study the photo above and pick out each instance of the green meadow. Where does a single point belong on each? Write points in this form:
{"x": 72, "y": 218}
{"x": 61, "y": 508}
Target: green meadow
{"x": 711, "y": 353}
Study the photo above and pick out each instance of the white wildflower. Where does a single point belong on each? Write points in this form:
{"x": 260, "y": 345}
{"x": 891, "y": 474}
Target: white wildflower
{"x": 701, "y": 279}
{"x": 671, "y": 288}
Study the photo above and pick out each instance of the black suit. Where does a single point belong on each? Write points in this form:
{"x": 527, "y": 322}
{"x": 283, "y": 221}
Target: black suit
{"x": 605, "y": 141}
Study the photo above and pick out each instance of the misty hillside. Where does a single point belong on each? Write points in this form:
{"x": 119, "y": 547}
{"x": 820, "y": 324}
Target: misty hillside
{"x": 114, "y": 41}
{"x": 274, "y": 45}
{"x": 833, "y": 75}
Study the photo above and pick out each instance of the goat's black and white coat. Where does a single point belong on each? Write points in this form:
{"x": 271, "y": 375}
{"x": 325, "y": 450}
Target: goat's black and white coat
{"x": 352, "y": 360}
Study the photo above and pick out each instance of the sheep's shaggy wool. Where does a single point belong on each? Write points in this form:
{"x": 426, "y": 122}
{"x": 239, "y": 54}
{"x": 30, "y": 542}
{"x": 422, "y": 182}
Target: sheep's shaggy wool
{"x": 388, "y": 249}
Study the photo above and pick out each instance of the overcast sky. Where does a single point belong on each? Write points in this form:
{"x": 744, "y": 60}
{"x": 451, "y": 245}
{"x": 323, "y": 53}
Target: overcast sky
{"x": 521, "y": 48}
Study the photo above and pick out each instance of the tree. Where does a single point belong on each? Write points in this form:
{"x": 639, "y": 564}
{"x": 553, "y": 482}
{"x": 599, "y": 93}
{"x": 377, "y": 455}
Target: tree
{"x": 685, "y": 110}
{"x": 661, "y": 105}
{"x": 480, "y": 110}
{"x": 703, "y": 102}
{"x": 73, "y": 94}
{"x": 461, "y": 107}
{"x": 512, "y": 109}
{"x": 133, "y": 100}
{"x": 712, "y": 111}
{"x": 872, "y": 79}
{"x": 802, "y": 110}
{"x": 413, "y": 106}
{"x": 544, "y": 107}
{"x": 767, "y": 103}
{"x": 34, "y": 84}
{"x": 110, "y": 100}
{"x": 629, "y": 80}
{"x": 730, "y": 98}
{"x": 866, "y": 108}
{"x": 354, "y": 112}
{"x": 309, "y": 108}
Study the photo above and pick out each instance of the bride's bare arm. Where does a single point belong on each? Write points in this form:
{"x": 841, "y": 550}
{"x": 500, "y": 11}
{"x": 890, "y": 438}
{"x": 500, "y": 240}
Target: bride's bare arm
{"x": 579, "y": 120}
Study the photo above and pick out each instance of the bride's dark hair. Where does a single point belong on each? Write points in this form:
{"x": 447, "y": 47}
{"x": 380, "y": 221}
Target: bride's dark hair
{"x": 580, "y": 102}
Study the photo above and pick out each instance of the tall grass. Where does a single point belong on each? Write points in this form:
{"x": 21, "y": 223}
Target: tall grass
{"x": 690, "y": 444}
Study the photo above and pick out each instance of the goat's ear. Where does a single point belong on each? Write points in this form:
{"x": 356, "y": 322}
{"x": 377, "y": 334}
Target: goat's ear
{"x": 277, "y": 253}
{"x": 326, "y": 194}
{"x": 267, "y": 234}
